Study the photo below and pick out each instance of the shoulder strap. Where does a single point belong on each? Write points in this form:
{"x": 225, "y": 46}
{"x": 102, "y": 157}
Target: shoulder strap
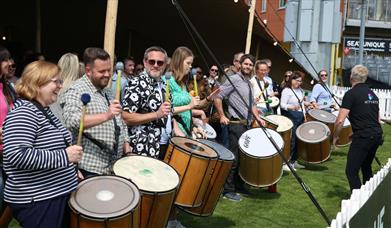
{"x": 301, "y": 106}
{"x": 40, "y": 108}
{"x": 263, "y": 95}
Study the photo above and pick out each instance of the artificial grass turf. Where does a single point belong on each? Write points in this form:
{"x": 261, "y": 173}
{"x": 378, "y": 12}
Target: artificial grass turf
{"x": 290, "y": 206}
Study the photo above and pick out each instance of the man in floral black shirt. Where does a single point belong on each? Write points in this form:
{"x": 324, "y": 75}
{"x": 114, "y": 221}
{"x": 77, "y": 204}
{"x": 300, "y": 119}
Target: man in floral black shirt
{"x": 145, "y": 111}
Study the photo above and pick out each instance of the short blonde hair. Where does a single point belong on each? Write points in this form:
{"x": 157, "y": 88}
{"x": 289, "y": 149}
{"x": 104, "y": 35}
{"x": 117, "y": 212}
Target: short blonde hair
{"x": 35, "y": 75}
{"x": 359, "y": 73}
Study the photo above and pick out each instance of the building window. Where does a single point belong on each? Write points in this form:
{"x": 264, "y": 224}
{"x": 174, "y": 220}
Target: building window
{"x": 263, "y": 6}
{"x": 378, "y": 10}
{"x": 282, "y": 4}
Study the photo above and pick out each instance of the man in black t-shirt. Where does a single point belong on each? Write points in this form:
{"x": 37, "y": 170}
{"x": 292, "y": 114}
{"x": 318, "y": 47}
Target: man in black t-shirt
{"x": 362, "y": 106}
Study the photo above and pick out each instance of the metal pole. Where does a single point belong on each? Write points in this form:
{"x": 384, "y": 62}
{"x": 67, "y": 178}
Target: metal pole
{"x": 362, "y": 30}
{"x": 250, "y": 25}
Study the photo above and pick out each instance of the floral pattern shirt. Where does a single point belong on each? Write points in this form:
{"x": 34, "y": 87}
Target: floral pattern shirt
{"x": 144, "y": 94}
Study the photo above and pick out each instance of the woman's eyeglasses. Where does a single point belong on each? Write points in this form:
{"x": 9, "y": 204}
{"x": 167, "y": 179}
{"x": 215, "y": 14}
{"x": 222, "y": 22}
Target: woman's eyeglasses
{"x": 153, "y": 62}
{"x": 57, "y": 81}
{"x": 287, "y": 75}
{"x": 214, "y": 70}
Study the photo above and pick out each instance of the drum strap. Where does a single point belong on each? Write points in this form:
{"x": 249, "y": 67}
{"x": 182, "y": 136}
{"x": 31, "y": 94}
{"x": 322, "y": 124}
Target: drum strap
{"x": 40, "y": 108}
{"x": 263, "y": 95}
{"x": 180, "y": 120}
{"x": 300, "y": 102}
{"x": 249, "y": 108}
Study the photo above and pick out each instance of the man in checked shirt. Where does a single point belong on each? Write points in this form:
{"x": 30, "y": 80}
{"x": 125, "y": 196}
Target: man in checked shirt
{"x": 105, "y": 133}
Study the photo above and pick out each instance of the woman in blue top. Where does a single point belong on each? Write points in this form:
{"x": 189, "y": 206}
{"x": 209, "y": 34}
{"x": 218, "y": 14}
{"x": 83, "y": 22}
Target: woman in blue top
{"x": 320, "y": 98}
{"x": 38, "y": 158}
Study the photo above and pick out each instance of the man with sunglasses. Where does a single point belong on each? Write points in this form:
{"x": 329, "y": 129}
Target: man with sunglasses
{"x": 146, "y": 112}
{"x": 320, "y": 97}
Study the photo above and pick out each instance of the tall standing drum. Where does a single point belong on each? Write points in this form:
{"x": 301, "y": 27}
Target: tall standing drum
{"x": 285, "y": 126}
{"x": 260, "y": 163}
{"x": 313, "y": 144}
{"x": 157, "y": 182}
{"x": 194, "y": 162}
{"x": 216, "y": 183}
{"x": 105, "y": 201}
{"x": 322, "y": 116}
{"x": 346, "y": 132}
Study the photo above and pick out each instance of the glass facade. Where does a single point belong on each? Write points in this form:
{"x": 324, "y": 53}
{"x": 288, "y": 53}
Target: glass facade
{"x": 377, "y": 10}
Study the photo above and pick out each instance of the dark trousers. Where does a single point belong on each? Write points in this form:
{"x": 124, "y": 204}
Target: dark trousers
{"x": 224, "y": 137}
{"x": 87, "y": 174}
{"x": 234, "y": 182}
{"x": 360, "y": 156}
{"x": 297, "y": 118}
{"x": 47, "y": 213}
{"x": 163, "y": 150}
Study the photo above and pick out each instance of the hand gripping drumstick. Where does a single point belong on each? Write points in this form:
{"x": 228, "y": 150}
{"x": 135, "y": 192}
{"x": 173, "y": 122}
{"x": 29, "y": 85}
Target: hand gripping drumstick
{"x": 85, "y": 98}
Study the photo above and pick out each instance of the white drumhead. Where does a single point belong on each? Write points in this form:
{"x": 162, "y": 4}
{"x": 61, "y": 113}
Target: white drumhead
{"x": 147, "y": 173}
{"x": 346, "y": 123}
{"x": 313, "y": 132}
{"x": 256, "y": 143}
{"x": 275, "y": 101}
{"x": 284, "y": 123}
{"x": 210, "y": 132}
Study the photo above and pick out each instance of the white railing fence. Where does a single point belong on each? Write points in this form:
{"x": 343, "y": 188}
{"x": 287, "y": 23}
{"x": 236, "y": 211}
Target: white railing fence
{"x": 383, "y": 95}
{"x": 358, "y": 198}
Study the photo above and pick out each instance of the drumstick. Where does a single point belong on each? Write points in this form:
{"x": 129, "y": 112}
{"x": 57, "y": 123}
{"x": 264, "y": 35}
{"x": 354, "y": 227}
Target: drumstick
{"x": 238, "y": 121}
{"x": 85, "y": 98}
{"x": 194, "y": 73}
{"x": 118, "y": 86}
{"x": 167, "y": 95}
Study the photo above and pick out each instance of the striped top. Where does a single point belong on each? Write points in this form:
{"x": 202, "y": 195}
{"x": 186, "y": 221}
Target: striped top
{"x": 35, "y": 159}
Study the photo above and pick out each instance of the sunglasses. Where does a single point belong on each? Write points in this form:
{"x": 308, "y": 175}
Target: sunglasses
{"x": 199, "y": 72}
{"x": 153, "y": 62}
{"x": 215, "y": 70}
{"x": 323, "y": 75}
{"x": 287, "y": 75}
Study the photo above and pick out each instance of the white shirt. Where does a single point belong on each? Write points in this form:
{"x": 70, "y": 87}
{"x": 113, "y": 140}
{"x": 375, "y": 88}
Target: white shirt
{"x": 257, "y": 91}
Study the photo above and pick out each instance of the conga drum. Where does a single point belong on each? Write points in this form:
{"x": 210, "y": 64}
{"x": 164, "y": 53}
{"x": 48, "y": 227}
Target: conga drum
{"x": 285, "y": 126}
{"x": 269, "y": 123}
{"x": 194, "y": 162}
{"x": 346, "y": 132}
{"x": 313, "y": 144}
{"x": 105, "y": 201}
{"x": 157, "y": 183}
{"x": 216, "y": 183}
{"x": 260, "y": 163}
{"x": 322, "y": 116}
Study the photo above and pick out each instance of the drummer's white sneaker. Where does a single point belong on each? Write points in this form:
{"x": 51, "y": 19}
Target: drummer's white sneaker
{"x": 175, "y": 224}
{"x": 297, "y": 165}
{"x": 286, "y": 168}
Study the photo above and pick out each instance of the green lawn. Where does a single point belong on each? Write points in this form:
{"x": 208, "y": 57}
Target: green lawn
{"x": 290, "y": 207}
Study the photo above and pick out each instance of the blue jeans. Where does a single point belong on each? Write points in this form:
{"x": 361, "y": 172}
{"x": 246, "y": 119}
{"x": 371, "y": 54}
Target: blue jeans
{"x": 225, "y": 135}
{"x": 297, "y": 118}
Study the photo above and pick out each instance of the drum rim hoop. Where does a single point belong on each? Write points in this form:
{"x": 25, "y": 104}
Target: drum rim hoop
{"x": 317, "y": 122}
{"x": 319, "y": 110}
{"x": 194, "y": 154}
{"x": 72, "y": 200}
{"x": 252, "y": 156}
{"x": 218, "y": 155}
